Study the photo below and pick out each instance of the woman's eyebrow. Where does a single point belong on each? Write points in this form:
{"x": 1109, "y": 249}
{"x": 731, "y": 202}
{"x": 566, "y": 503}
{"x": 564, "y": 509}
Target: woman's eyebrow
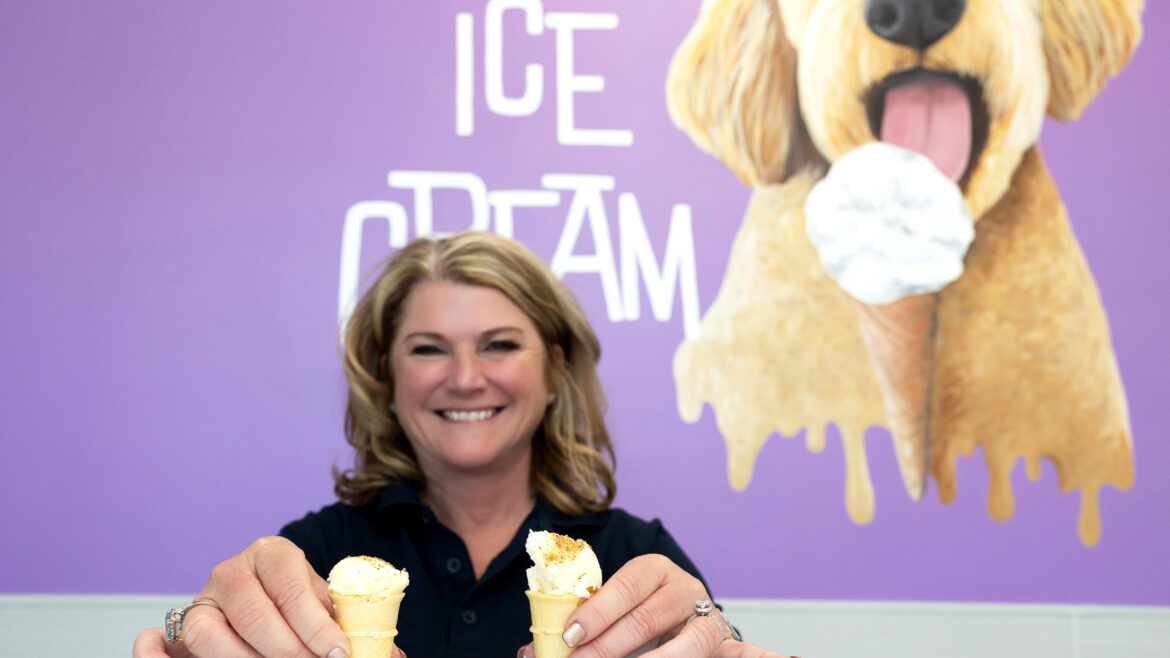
{"x": 428, "y": 335}
{"x": 492, "y": 333}
{"x": 488, "y": 333}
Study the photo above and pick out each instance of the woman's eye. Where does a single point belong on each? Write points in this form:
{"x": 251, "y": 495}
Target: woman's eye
{"x": 502, "y": 346}
{"x": 425, "y": 350}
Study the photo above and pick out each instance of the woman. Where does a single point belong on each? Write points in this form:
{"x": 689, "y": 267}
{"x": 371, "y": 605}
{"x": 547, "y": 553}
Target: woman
{"x": 475, "y": 411}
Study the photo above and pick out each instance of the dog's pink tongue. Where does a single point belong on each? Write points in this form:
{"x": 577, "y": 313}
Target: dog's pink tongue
{"x": 933, "y": 117}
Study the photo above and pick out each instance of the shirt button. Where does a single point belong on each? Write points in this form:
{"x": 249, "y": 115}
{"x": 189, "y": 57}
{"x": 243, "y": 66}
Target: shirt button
{"x": 454, "y": 565}
{"x": 469, "y": 617}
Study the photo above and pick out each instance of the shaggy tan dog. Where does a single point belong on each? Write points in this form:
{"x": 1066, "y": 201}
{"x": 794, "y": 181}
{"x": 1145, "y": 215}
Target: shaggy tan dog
{"x": 1021, "y": 362}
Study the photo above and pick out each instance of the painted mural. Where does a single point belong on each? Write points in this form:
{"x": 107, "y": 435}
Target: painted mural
{"x": 195, "y": 192}
{"x": 930, "y": 282}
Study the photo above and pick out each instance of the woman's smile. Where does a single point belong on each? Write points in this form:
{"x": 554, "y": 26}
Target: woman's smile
{"x": 470, "y": 416}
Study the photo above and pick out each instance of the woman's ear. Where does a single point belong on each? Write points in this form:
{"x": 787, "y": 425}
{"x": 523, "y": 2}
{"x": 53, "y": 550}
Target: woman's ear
{"x": 732, "y": 88}
{"x": 1085, "y": 43}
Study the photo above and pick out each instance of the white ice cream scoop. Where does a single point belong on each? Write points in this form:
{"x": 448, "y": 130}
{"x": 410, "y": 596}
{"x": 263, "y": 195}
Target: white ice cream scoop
{"x": 561, "y": 565}
{"x": 887, "y": 224}
{"x": 363, "y": 575}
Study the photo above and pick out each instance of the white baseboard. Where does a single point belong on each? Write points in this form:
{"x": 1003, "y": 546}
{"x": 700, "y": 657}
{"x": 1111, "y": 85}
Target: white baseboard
{"x": 863, "y": 629}
{"x": 57, "y": 626}
{"x": 105, "y": 625}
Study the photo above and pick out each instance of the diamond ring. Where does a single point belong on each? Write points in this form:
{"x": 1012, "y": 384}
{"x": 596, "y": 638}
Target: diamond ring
{"x": 174, "y": 620}
{"x": 703, "y": 608}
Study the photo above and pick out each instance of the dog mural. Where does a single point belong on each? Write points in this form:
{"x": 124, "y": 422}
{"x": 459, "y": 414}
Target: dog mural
{"x": 1013, "y": 356}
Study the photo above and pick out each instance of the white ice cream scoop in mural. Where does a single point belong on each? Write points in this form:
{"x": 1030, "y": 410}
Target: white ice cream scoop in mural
{"x": 887, "y": 224}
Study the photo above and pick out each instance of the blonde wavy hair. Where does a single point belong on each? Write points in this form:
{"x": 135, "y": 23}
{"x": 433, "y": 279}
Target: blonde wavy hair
{"x": 572, "y": 457}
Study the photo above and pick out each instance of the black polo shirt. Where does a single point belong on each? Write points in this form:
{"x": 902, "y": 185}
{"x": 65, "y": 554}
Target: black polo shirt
{"x": 446, "y": 612}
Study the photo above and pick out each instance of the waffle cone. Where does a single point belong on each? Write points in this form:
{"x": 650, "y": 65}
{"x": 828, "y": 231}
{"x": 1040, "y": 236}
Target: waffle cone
{"x": 370, "y": 623}
{"x": 549, "y": 614}
{"x": 900, "y": 340}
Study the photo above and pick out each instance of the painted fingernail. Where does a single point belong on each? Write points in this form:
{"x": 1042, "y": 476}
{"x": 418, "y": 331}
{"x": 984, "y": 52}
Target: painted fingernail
{"x": 338, "y": 653}
{"x": 524, "y": 652}
{"x": 574, "y": 635}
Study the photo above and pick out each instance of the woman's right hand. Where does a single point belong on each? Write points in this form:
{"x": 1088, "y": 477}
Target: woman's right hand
{"x": 271, "y": 603}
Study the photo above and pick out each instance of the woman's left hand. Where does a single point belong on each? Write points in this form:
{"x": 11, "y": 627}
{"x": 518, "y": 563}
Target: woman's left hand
{"x": 648, "y": 601}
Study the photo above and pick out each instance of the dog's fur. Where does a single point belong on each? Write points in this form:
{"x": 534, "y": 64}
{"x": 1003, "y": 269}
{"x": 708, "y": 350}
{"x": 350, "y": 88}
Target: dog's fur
{"x": 777, "y": 90}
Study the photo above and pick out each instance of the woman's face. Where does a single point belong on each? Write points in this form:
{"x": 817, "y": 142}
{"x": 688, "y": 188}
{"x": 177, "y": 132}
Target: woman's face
{"x": 469, "y": 378}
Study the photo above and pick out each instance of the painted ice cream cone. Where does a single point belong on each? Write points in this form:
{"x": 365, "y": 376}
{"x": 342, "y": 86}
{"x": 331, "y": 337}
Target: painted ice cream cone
{"x": 564, "y": 573}
{"x": 900, "y": 339}
{"x": 366, "y": 594}
{"x": 893, "y": 230}
{"x": 549, "y": 614}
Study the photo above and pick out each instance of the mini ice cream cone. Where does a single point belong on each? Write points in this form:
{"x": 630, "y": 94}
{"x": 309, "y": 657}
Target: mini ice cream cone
{"x": 366, "y": 593}
{"x": 900, "y": 340}
{"x": 370, "y": 623}
{"x": 564, "y": 573}
{"x": 549, "y": 614}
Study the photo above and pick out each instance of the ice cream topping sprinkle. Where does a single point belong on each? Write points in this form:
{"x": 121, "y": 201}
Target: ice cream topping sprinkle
{"x": 561, "y": 565}
{"x": 365, "y": 575}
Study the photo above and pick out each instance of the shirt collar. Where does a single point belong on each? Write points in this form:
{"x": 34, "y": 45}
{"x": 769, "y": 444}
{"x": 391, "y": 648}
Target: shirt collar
{"x": 399, "y": 492}
{"x": 545, "y": 516}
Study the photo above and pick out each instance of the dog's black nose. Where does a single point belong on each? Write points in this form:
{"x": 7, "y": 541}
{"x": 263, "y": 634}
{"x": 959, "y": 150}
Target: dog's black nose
{"x": 913, "y": 23}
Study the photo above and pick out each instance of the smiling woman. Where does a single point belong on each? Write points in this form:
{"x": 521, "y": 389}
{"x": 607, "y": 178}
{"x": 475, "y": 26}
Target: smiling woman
{"x": 476, "y": 415}
{"x": 408, "y": 307}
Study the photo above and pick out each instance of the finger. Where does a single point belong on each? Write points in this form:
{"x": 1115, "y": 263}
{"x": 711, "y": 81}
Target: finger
{"x": 300, "y": 595}
{"x": 643, "y": 604}
{"x": 526, "y": 651}
{"x": 650, "y": 620}
{"x": 152, "y": 643}
{"x": 238, "y": 586}
{"x": 207, "y": 633}
{"x": 321, "y": 588}
{"x": 699, "y": 637}
{"x": 623, "y": 592}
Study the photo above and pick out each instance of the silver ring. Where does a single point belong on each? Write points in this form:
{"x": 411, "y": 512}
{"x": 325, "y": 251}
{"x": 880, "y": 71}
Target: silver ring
{"x": 703, "y": 608}
{"x": 174, "y": 619}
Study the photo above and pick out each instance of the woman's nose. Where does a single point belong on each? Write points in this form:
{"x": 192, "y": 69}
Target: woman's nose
{"x": 467, "y": 371}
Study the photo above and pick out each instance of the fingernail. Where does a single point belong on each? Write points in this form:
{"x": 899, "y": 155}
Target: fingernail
{"x": 574, "y": 635}
{"x": 338, "y": 653}
{"x": 523, "y": 652}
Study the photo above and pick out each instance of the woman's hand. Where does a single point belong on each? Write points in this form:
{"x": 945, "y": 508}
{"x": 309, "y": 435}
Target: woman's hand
{"x": 271, "y": 603}
{"x": 648, "y": 601}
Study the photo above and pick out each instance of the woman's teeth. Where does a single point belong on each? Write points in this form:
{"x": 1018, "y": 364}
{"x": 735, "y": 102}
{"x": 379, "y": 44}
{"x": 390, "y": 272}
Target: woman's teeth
{"x": 469, "y": 415}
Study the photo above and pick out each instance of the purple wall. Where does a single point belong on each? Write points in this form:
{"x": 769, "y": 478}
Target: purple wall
{"x": 175, "y": 180}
